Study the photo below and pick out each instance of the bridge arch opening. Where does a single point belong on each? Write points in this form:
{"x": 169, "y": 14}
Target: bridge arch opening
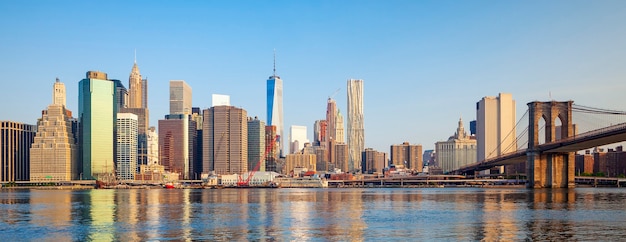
{"x": 558, "y": 128}
{"x": 542, "y": 136}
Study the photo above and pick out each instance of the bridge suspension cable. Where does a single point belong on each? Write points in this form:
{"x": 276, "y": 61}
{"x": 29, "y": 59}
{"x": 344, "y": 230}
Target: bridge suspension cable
{"x": 513, "y": 131}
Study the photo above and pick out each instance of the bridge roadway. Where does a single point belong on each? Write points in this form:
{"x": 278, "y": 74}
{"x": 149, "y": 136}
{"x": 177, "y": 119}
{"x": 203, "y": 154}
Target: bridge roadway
{"x": 604, "y": 136}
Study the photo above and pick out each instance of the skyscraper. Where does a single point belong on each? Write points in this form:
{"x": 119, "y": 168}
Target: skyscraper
{"x": 97, "y": 111}
{"x": 271, "y": 146}
{"x": 495, "y": 126}
{"x": 275, "y": 106}
{"x": 126, "y": 166}
{"x": 15, "y": 141}
{"x": 356, "y": 130}
{"x": 138, "y": 105}
{"x": 135, "y": 88}
{"x": 180, "y": 97}
{"x": 54, "y": 152}
{"x": 225, "y": 140}
{"x": 331, "y": 119}
{"x": 373, "y": 161}
{"x": 339, "y": 128}
{"x": 319, "y": 131}
{"x": 176, "y": 149}
{"x": 256, "y": 144}
{"x": 297, "y": 138}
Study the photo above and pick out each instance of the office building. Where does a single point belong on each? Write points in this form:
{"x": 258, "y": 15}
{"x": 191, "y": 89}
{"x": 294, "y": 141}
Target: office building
{"x": 495, "y": 127}
{"x": 153, "y": 146}
{"x": 293, "y": 161}
{"x": 97, "y": 115}
{"x": 319, "y": 131}
{"x": 121, "y": 94}
{"x": 180, "y": 97}
{"x": 15, "y": 141}
{"x": 54, "y": 152}
{"x": 136, "y": 89}
{"x": 373, "y": 161}
{"x": 297, "y": 138}
{"x": 407, "y": 155}
{"x": 339, "y": 159}
{"x": 331, "y": 119}
{"x": 271, "y": 148}
{"x": 340, "y": 135}
{"x": 176, "y": 145}
{"x": 275, "y": 107}
{"x": 458, "y": 151}
{"x": 127, "y": 127}
{"x": 225, "y": 140}
{"x": 356, "y": 130}
{"x": 256, "y": 144}
{"x": 137, "y": 104}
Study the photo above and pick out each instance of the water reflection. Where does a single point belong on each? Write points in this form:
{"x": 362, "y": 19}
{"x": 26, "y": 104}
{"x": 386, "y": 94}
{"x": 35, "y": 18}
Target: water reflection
{"x": 313, "y": 214}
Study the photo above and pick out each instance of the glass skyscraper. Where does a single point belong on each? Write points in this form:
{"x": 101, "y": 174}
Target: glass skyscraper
{"x": 97, "y": 111}
{"x": 275, "y": 108}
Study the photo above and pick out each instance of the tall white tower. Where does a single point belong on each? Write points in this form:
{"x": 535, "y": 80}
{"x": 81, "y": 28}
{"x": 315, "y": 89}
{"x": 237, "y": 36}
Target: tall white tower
{"x": 58, "y": 93}
{"x": 356, "y": 130}
{"x": 495, "y": 127}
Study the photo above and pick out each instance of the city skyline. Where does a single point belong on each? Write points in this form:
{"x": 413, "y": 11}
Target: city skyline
{"x": 431, "y": 60}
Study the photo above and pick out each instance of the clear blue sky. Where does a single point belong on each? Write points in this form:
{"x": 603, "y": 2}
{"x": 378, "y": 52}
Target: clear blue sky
{"x": 424, "y": 63}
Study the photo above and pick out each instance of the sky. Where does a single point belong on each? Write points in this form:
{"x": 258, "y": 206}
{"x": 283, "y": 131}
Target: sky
{"x": 425, "y": 64}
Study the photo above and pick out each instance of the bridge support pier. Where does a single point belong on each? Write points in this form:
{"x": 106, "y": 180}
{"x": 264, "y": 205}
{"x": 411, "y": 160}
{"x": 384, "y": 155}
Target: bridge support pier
{"x": 554, "y": 170}
{"x": 549, "y": 170}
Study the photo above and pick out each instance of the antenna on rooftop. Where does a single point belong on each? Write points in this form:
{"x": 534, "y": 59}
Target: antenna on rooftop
{"x": 274, "y": 61}
{"x": 135, "y": 55}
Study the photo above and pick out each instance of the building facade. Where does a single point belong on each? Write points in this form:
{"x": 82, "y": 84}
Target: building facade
{"x": 127, "y": 127}
{"x": 153, "y": 146}
{"x": 225, "y": 140}
{"x": 15, "y": 141}
{"x": 495, "y": 127}
{"x": 135, "y": 88}
{"x": 293, "y": 161}
{"x": 180, "y": 97}
{"x": 176, "y": 144}
{"x": 97, "y": 115}
{"x": 407, "y": 155}
{"x": 54, "y": 152}
{"x": 275, "y": 108}
{"x": 256, "y": 144}
{"x": 356, "y": 130}
{"x": 373, "y": 161}
{"x": 458, "y": 151}
{"x": 319, "y": 131}
{"x": 271, "y": 147}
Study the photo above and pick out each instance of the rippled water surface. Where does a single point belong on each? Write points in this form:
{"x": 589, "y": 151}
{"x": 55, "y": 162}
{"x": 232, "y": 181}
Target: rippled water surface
{"x": 314, "y": 214}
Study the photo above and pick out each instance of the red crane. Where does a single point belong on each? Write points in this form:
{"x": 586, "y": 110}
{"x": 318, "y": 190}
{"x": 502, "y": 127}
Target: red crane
{"x": 245, "y": 183}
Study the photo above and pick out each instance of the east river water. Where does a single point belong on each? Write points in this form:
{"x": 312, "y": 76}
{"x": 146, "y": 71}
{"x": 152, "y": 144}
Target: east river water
{"x": 377, "y": 214}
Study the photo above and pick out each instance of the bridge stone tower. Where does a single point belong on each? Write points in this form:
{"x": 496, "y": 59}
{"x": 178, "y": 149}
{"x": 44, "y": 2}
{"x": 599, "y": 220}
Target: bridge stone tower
{"x": 545, "y": 169}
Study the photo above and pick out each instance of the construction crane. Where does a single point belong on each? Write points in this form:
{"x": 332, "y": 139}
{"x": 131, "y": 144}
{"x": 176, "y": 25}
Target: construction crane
{"x": 246, "y": 183}
{"x": 334, "y": 93}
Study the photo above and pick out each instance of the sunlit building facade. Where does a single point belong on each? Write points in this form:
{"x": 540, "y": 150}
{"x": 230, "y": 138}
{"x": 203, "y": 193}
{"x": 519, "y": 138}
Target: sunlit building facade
{"x": 126, "y": 166}
{"x": 225, "y": 140}
{"x": 495, "y": 127}
{"x": 180, "y": 97}
{"x": 356, "y": 129}
{"x": 54, "y": 152}
{"x": 458, "y": 151}
{"x": 275, "y": 108}
{"x": 97, "y": 114}
{"x": 407, "y": 155}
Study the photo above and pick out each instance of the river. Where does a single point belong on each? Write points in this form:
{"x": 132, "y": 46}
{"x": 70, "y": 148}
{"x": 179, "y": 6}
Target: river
{"x": 377, "y": 214}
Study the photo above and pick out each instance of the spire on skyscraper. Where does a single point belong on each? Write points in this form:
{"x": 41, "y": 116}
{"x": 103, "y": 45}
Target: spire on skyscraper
{"x": 274, "y": 62}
